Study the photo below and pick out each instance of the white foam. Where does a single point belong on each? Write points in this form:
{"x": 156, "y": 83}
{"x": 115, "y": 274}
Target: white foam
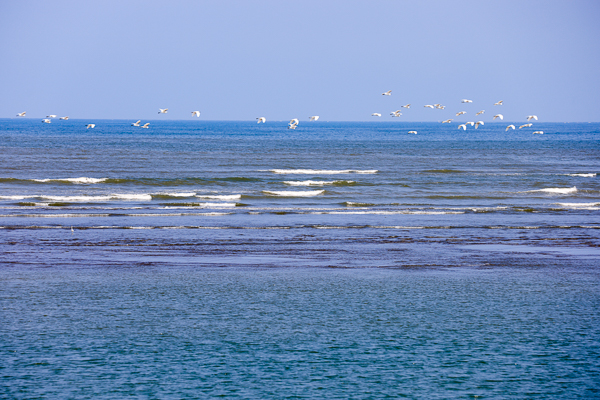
{"x": 177, "y": 194}
{"x": 80, "y": 181}
{"x": 314, "y": 183}
{"x": 294, "y": 193}
{"x": 220, "y": 197}
{"x": 591, "y": 206}
{"x": 323, "y": 171}
{"x": 558, "y": 190}
{"x": 584, "y": 175}
{"x": 16, "y": 197}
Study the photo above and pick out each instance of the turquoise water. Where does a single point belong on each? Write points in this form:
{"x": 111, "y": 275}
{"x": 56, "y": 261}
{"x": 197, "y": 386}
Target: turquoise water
{"x": 339, "y": 260}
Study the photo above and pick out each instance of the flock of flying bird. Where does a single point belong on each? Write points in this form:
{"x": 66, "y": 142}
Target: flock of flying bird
{"x": 294, "y": 122}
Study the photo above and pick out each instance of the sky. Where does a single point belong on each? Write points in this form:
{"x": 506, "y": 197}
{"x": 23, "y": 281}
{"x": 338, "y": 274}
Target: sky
{"x": 242, "y": 59}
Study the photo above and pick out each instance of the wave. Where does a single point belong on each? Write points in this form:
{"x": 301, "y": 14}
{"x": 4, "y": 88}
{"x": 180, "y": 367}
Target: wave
{"x": 220, "y": 196}
{"x": 323, "y": 171}
{"x": 78, "y": 181}
{"x": 294, "y": 193}
{"x": 319, "y": 183}
{"x": 580, "y": 206}
{"x": 557, "y": 190}
{"x": 171, "y": 195}
{"x": 591, "y": 175}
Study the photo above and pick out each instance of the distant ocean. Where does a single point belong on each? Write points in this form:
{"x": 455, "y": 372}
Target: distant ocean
{"x": 336, "y": 260}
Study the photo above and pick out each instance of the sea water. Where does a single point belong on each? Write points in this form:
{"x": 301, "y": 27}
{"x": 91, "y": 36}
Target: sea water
{"x": 337, "y": 260}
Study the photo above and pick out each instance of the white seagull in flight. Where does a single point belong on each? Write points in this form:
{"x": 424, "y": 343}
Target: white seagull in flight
{"x": 467, "y": 101}
{"x": 137, "y": 123}
{"x": 478, "y": 123}
{"x": 460, "y": 113}
{"x": 538, "y": 132}
{"x": 510, "y": 127}
{"x": 499, "y": 103}
{"x": 314, "y": 118}
{"x": 413, "y": 132}
{"x": 463, "y": 126}
{"x": 46, "y": 121}
{"x": 376, "y": 115}
{"x": 447, "y": 121}
{"x": 146, "y": 125}
{"x": 530, "y": 117}
{"x": 480, "y": 112}
{"x": 428, "y": 106}
{"x": 405, "y": 106}
{"x": 64, "y": 118}
{"x": 388, "y": 93}
{"x": 525, "y": 126}
{"x": 195, "y": 113}
{"x": 261, "y": 119}
{"x": 21, "y": 114}
{"x": 50, "y": 116}
{"x": 163, "y": 110}
{"x": 499, "y": 116}
{"x": 90, "y": 126}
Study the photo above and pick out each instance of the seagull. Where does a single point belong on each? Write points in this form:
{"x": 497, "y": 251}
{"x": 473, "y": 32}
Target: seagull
{"x": 463, "y": 126}
{"x": 440, "y": 107}
{"x": 146, "y": 125}
{"x": 429, "y": 106}
{"x": 376, "y": 115}
{"x": 72, "y": 231}
{"x": 478, "y": 123}
{"x": 396, "y": 113}
{"x": 294, "y": 121}
{"x": 538, "y": 132}
{"x": 405, "y": 106}
{"x": 499, "y": 116}
{"x": 137, "y": 123}
{"x": 314, "y": 118}
{"x": 530, "y": 117}
{"x": 480, "y": 112}
{"x": 64, "y": 118}
{"x": 510, "y": 127}
{"x": 163, "y": 110}
{"x": 292, "y": 126}
{"x": 261, "y": 119}
{"x": 195, "y": 113}
{"x": 46, "y": 121}
{"x": 460, "y": 113}
{"x": 50, "y": 116}
{"x": 21, "y": 114}
{"x": 525, "y": 126}
{"x": 414, "y": 132}
{"x": 388, "y": 93}
{"x": 499, "y": 103}
{"x": 90, "y": 126}
{"x": 467, "y": 101}
{"x": 446, "y": 121}
{"x": 470, "y": 123}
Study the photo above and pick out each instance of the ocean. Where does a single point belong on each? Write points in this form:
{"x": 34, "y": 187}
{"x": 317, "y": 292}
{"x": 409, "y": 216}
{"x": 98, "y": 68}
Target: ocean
{"x": 200, "y": 259}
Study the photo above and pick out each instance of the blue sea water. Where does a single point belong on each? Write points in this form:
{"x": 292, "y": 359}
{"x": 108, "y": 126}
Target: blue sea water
{"x": 338, "y": 260}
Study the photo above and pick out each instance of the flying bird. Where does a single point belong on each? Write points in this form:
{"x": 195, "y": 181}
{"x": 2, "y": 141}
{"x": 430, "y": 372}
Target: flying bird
{"x": 429, "y": 106}
{"x": 314, "y": 118}
{"x": 525, "y": 126}
{"x": 50, "y": 116}
{"x": 470, "y": 123}
{"x": 413, "y": 132}
{"x": 376, "y": 115}
{"x": 467, "y": 101}
{"x": 88, "y": 126}
{"x": 261, "y": 119}
{"x": 146, "y": 125}
{"x": 163, "y": 110}
{"x": 388, "y": 93}
{"x": 463, "y": 126}
{"x": 499, "y": 116}
{"x": 538, "y": 132}
{"x": 447, "y": 121}
{"x": 480, "y": 112}
{"x": 196, "y": 113}
{"x": 137, "y": 123}
{"x": 64, "y": 118}
{"x": 460, "y": 113}
{"x": 21, "y": 114}
{"x": 396, "y": 113}
{"x": 510, "y": 127}
{"x": 405, "y": 106}
{"x": 46, "y": 121}
{"x": 294, "y": 121}
{"x": 478, "y": 123}
{"x": 499, "y": 103}
{"x": 530, "y": 117}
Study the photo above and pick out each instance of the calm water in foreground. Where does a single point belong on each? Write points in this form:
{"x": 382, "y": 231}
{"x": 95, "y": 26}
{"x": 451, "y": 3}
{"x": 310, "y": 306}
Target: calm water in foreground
{"x": 340, "y": 260}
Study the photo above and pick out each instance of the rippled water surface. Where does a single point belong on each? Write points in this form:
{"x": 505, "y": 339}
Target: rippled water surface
{"x": 338, "y": 260}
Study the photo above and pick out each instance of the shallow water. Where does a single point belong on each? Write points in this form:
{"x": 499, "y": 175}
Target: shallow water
{"x": 205, "y": 259}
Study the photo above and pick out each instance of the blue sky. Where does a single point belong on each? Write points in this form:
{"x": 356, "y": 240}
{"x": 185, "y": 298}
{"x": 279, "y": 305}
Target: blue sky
{"x": 238, "y": 60}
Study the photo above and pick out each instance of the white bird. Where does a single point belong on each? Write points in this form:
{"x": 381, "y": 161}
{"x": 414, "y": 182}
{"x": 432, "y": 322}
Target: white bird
{"x": 163, "y": 110}
{"x": 396, "y": 113}
{"x": 21, "y": 114}
{"x": 470, "y": 123}
{"x": 46, "y": 121}
{"x": 499, "y": 116}
{"x": 376, "y": 115}
{"x": 499, "y": 103}
{"x": 261, "y": 119}
{"x": 50, "y": 116}
{"x": 406, "y": 106}
{"x": 530, "y": 117}
{"x": 146, "y": 125}
{"x": 447, "y": 121}
{"x": 467, "y": 101}
{"x": 525, "y": 126}
{"x": 293, "y": 125}
{"x": 137, "y": 123}
{"x": 72, "y": 231}
{"x": 388, "y": 93}
{"x": 480, "y": 112}
{"x": 314, "y": 118}
{"x": 440, "y": 107}
{"x": 64, "y": 118}
{"x": 90, "y": 126}
{"x": 429, "y": 106}
{"x": 460, "y": 113}
{"x": 510, "y": 127}
{"x": 413, "y": 132}
{"x": 294, "y": 121}
{"x": 463, "y": 126}
{"x": 195, "y": 113}
{"x": 478, "y": 123}
{"x": 538, "y": 132}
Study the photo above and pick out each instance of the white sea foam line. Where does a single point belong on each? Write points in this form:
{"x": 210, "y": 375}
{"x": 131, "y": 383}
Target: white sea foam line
{"x": 556, "y": 190}
{"x": 323, "y": 171}
{"x": 583, "y": 175}
{"x": 177, "y": 194}
{"x": 16, "y": 197}
{"x": 314, "y": 183}
{"x": 220, "y": 197}
{"x": 82, "y": 180}
{"x": 294, "y": 193}
{"x": 387, "y": 212}
{"x": 577, "y": 205}
{"x": 53, "y": 215}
